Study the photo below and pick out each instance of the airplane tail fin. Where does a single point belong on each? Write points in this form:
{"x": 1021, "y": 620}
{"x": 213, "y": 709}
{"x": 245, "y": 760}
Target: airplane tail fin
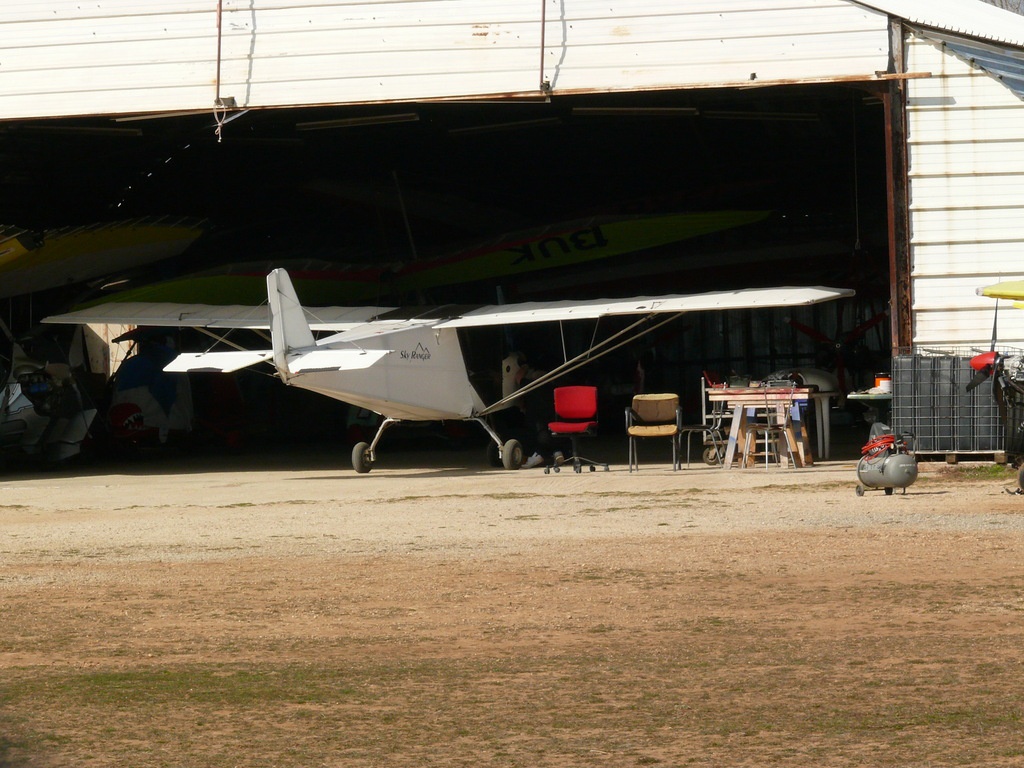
{"x": 289, "y": 329}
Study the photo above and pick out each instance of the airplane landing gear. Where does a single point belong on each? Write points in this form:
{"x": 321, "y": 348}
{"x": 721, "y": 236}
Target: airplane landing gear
{"x": 362, "y": 460}
{"x": 364, "y": 455}
{"x": 512, "y": 454}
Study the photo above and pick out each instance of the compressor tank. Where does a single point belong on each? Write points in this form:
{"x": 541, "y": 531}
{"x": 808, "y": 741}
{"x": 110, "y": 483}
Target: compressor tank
{"x": 886, "y": 470}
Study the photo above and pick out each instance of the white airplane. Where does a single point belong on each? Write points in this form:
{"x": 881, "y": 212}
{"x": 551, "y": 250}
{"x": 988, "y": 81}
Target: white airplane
{"x": 412, "y": 368}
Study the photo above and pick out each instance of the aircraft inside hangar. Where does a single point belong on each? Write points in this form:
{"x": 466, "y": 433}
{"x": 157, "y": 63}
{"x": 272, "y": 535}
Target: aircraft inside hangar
{"x": 744, "y": 188}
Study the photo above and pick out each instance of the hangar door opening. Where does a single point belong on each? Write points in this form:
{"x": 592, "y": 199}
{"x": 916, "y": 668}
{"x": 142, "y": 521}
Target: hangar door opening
{"x": 571, "y": 196}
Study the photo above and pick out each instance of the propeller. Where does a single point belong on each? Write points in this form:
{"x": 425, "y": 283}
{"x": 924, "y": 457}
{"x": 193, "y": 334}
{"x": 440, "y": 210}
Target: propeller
{"x": 842, "y": 345}
{"x": 983, "y": 366}
{"x": 985, "y": 363}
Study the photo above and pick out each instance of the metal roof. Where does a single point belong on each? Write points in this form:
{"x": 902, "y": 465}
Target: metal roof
{"x": 983, "y": 35}
{"x": 972, "y": 18}
{"x": 1003, "y": 63}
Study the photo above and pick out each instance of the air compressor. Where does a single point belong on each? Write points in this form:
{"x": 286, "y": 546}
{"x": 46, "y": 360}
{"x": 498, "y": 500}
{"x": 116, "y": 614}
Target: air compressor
{"x": 886, "y": 462}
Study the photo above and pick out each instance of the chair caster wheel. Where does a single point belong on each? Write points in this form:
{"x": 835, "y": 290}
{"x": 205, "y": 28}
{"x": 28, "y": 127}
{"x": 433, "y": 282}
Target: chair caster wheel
{"x": 547, "y": 470}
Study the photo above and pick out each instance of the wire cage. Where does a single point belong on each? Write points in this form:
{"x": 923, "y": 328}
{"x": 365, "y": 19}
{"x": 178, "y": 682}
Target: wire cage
{"x": 1014, "y": 428}
{"x": 931, "y": 402}
{"x": 1011, "y": 404}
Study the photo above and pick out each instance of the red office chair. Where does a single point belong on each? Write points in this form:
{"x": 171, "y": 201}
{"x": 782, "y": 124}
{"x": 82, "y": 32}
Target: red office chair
{"x": 576, "y": 410}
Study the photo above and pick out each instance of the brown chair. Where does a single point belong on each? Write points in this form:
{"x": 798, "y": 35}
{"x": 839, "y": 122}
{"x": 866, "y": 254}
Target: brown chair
{"x": 654, "y": 416}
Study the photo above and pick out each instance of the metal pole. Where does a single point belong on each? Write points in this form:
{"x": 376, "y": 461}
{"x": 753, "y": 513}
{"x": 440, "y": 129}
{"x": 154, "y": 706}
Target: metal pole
{"x": 544, "y": 85}
{"x": 220, "y": 11}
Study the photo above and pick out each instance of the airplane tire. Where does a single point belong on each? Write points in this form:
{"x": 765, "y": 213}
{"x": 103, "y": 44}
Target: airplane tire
{"x": 512, "y": 454}
{"x": 361, "y": 458}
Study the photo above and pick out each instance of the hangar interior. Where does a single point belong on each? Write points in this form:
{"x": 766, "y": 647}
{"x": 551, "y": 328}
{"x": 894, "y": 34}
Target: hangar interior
{"x": 344, "y": 188}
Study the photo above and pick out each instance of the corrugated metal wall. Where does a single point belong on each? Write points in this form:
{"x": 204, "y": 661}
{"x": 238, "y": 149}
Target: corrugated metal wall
{"x": 966, "y": 163}
{"x": 65, "y": 57}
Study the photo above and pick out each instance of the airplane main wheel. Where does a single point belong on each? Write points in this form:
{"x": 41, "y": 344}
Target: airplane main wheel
{"x": 512, "y": 454}
{"x": 361, "y": 461}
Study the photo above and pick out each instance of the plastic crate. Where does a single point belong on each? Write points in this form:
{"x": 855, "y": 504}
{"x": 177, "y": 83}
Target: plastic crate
{"x": 931, "y": 401}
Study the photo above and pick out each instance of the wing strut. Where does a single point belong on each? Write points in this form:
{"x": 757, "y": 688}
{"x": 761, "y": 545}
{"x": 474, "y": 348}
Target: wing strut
{"x": 595, "y": 352}
{"x": 222, "y": 338}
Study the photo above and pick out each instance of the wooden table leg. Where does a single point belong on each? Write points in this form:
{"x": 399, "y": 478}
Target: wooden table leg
{"x": 737, "y": 435}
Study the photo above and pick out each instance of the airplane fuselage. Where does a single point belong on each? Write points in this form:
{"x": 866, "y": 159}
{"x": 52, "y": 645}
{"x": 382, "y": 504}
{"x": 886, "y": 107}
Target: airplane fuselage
{"x": 422, "y": 378}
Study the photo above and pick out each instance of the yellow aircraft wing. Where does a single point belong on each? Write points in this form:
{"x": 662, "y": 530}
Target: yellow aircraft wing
{"x": 1011, "y": 289}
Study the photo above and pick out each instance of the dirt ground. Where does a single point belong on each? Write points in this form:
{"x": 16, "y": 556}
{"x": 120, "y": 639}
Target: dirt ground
{"x": 280, "y": 610}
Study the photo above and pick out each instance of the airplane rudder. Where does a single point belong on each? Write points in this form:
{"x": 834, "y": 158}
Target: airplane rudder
{"x": 288, "y": 326}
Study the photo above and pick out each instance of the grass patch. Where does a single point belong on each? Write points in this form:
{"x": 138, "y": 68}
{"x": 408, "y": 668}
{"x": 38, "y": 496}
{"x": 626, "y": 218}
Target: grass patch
{"x": 978, "y": 472}
{"x": 571, "y": 708}
{"x": 710, "y": 683}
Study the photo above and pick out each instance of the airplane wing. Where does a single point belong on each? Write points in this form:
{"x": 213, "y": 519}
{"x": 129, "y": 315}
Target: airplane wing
{"x": 74, "y": 257}
{"x": 295, "y": 350}
{"x": 358, "y": 323}
{"x": 38, "y": 261}
{"x": 750, "y": 298}
{"x": 1011, "y": 289}
{"x": 173, "y": 315}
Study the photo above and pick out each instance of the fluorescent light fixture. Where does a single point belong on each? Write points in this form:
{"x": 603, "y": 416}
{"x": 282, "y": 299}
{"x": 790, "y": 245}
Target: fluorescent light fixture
{"x": 511, "y": 126}
{"x": 640, "y": 111}
{"x": 510, "y": 99}
{"x": 159, "y": 115}
{"x": 799, "y": 117}
{"x": 83, "y": 130}
{"x": 269, "y": 141}
{"x": 356, "y": 122}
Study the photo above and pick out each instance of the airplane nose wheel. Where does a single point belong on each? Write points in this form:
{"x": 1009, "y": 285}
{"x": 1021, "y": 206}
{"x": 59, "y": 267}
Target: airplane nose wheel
{"x": 361, "y": 461}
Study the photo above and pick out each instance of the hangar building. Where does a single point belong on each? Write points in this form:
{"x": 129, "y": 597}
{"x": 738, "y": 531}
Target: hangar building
{"x": 882, "y": 141}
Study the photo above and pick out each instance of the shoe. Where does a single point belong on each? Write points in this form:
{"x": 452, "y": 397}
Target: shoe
{"x": 559, "y": 458}
{"x": 534, "y": 461}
